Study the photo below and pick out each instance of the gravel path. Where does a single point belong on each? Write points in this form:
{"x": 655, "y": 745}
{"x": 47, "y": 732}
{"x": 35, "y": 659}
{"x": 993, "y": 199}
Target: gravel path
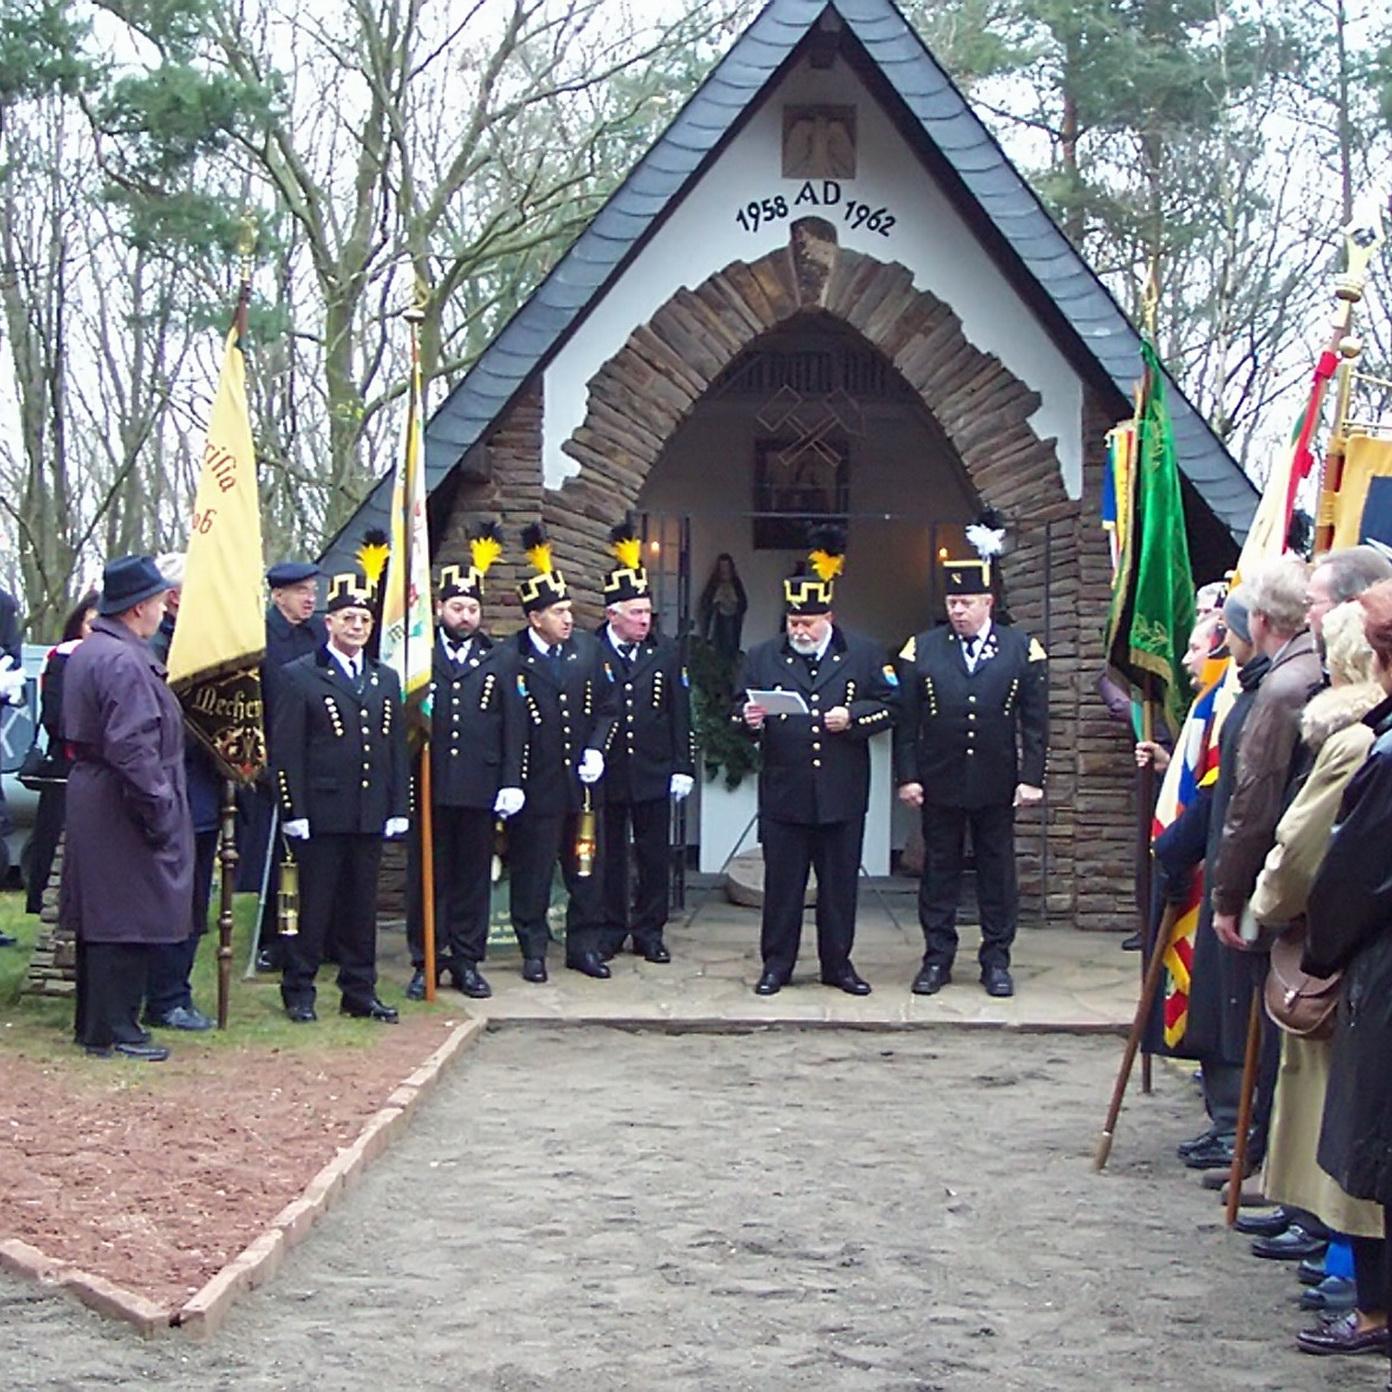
{"x": 598, "y": 1211}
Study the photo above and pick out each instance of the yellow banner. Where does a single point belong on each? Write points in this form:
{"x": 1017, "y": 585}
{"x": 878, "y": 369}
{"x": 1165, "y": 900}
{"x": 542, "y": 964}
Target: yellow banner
{"x": 1362, "y": 508}
{"x": 221, "y": 633}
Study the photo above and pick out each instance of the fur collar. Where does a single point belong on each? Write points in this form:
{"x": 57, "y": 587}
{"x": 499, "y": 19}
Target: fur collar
{"x": 1336, "y": 708}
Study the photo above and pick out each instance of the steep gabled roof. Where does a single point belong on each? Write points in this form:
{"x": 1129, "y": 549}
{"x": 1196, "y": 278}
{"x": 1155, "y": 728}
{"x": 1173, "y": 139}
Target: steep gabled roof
{"x": 939, "y": 123}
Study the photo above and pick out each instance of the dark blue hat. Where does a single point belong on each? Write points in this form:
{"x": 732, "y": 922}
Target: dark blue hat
{"x": 291, "y": 573}
{"x": 129, "y": 581}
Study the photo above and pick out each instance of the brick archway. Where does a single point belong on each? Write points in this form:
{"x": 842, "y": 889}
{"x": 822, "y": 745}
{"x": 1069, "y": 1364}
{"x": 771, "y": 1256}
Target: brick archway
{"x": 644, "y": 393}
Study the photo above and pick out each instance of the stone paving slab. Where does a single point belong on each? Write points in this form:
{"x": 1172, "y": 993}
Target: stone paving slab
{"x": 1065, "y": 980}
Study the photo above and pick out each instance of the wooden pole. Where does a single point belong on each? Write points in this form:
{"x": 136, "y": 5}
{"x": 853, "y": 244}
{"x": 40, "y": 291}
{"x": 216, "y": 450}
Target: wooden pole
{"x": 427, "y": 860}
{"x": 1144, "y": 1005}
{"x": 1145, "y": 813}
{"x": 227, "y": 857}
{"x": 1244, "y": 1106}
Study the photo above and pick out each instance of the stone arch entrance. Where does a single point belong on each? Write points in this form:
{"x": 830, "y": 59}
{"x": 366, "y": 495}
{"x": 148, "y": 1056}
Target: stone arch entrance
{"x": 645, "y": 392}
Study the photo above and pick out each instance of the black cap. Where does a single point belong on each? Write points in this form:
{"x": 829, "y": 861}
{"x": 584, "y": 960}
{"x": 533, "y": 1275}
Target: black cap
{"x": 350, "y": 591}
{"x": 291, "y": 573}
{"x": 967, "y": 577}
{"x": 129, "y": 581}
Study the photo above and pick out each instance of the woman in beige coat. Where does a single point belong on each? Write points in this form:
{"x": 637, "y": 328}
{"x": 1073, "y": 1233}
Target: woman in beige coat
{"x": 1332, "y": 730}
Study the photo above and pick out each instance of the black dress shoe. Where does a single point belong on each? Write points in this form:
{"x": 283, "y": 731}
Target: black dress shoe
{"x": 931, "y": 978}
{"x": 370, "y": 1010}
{"x": 1342, "y": 1335}
{"x": 415, "y": 989}
{"x": 846, "y": 980}
{"x": 1266, "y": 1224}
{"x": 1133, "y": 943}
{"x": 589, "y": 964}
{"x": 472, "y": 983}
{"x": 182, "y": 1017}
{"x": 8, "y": 940}
{"x": 997, "y": 981}
{"x": 1311, "y": 1271}
{"x": 534, "y": 969}
{"x": 1185, "y": 1148}
{"x": 1216, "y": 1153}
{"x": 657, "y": 952}
{"x": 267, "y": 963}
{"x": 301, "y": 1014}
{"x": 1334, "y": 1295}
{"x": 1292, "y": 1245}
{"x": 141, "y": 1053}
{"x": 769, "y": 984}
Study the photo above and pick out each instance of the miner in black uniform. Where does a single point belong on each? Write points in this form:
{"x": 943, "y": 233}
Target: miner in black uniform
{"x": 339, "y": 747}
{"x": 293, "y": 630}
{"x": 566, "y": 689}
{"x": 814, "y": 775}
{"x": 971, "y": 746}
{"x": 475, "y": 749}
{"x": 652, "y": 759}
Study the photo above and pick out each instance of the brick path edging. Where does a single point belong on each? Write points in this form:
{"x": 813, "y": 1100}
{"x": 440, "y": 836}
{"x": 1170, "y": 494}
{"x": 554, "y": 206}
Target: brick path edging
{"x": 203, "y": 1313}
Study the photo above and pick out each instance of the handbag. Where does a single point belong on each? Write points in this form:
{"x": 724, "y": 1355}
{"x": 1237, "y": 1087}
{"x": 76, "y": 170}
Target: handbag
{"x": 39, "y": 769}
{"x": 1300, "y": 1004}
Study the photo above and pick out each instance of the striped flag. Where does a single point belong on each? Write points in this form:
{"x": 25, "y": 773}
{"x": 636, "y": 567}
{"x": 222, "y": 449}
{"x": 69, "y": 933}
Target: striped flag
{"x": 407, "y": 642}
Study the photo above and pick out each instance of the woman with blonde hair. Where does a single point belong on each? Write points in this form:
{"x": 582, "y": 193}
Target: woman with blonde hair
{"x": 1334, "y": 735}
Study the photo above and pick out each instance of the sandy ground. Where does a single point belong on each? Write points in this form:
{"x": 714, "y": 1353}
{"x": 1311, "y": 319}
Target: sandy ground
{"x": 597, "y": 1211}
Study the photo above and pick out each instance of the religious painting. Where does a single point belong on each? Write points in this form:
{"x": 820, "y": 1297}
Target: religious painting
{"x": 798, "y": 483}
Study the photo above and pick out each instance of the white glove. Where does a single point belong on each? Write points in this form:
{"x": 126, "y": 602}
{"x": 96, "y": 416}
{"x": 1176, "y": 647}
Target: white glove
{"x": 681, "y": 786}
{"x": 509, "y": 801}
{"x": 11, "y": 685}
{"x": 592, "y": 766}
{"x": 298, "y": 830}
{"x": 396, "y": 826}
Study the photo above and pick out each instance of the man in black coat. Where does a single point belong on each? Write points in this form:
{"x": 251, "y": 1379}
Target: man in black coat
{"x": 814, "y": 775}
{"x": 11, "y": 691}
{"x": 293, "y": 630}
{"x": 476, "y": 744}
{"x": 971, "y": 749}
{"x": 567, "y": 695}
{"x": 340, "y": 759}
{"x": 652, "y": 760}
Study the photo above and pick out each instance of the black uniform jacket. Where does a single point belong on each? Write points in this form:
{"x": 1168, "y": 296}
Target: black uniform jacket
{"x": 653, "y": 739}
{"x": 285, "y": 643}
{"x": 971, "y": 737}
{"x": 807, "y": 775}
{"x": 477, "y": 737}
{"x": 568, "y": 705}
{"x": 340, "y": 755}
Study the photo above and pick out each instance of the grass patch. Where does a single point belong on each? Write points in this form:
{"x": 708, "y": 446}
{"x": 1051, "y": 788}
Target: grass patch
{"x": 39, "y": 1027}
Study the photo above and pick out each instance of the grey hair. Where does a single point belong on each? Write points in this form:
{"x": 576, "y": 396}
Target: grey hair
{"x": 1353, "y": 569}
{"x": 1276, "y": 589}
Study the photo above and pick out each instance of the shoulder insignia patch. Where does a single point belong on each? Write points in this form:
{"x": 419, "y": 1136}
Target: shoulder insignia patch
{"x": 1036, "y": 651}
{"x": 910, "y": 650}
{"x": 890, "y": 675}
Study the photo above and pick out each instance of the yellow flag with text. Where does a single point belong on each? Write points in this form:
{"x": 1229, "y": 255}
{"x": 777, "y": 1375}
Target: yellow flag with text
{"x": 220, "y": 634}
{"x": 407, "y": 628}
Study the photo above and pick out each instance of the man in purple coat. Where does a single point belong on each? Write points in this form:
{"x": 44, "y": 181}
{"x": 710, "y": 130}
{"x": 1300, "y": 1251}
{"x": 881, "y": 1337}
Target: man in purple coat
{"x": 128, "y": 865}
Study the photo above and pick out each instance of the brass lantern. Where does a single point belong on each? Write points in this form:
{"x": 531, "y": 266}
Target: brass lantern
{"x": 288, "y": 898}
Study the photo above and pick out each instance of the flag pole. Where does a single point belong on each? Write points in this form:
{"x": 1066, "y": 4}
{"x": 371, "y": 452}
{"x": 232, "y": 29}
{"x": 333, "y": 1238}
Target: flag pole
{"x": 227, "y": 829}
{"x": 413, "y": 316}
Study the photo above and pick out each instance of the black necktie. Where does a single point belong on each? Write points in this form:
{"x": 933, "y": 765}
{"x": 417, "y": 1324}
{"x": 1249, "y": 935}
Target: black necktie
{"x": 626, "y": 651}
{"x": 554, "y": 652}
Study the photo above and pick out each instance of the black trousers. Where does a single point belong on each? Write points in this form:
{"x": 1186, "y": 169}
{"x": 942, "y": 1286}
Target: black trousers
{"x": 110, "y": 986}
{"x": 171, "y": 964}
{"x": 462, "y": 838}
{"x": 651, "y": 824}
{"x": 43, "y": 842}
{"x": 338, "y": 886}
{"x": 791, "y": 849}
{"x": 997, "y": 895}
{"x": 536, "y": 841}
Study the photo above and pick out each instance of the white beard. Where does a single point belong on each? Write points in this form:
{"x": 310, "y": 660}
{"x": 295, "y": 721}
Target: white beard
{"x": 803, "y": 645}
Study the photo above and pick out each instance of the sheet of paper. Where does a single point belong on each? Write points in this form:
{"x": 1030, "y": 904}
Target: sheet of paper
{"x": 780, "y": 702}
